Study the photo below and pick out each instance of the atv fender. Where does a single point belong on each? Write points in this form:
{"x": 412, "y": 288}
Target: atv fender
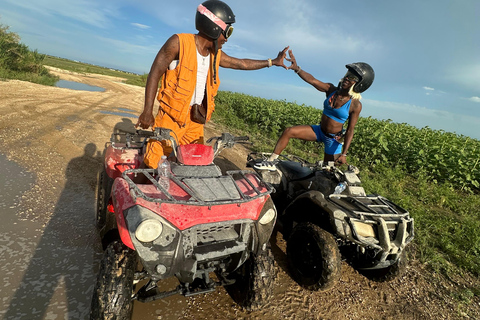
{"x": 311, "y": 206}
{"x": 122, "y": 200}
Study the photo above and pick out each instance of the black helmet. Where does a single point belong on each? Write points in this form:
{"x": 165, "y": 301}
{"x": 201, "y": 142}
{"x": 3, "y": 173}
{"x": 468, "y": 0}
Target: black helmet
{"x": 366, "y": 74}
{"x": 206, "y": 24}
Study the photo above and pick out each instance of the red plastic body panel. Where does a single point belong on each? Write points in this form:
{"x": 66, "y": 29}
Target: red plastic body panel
{"x": 185, "y": 216}
{"x": 195, "y": 154}
{"x": 117, "y": 161}
{"x": 122, "y": 200}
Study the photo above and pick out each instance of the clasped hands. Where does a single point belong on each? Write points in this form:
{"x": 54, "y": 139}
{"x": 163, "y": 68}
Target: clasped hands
{"x": 282, "y": 55}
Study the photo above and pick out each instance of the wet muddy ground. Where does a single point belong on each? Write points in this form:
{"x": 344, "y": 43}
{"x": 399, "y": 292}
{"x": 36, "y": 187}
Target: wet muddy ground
{"x": 51, "y": 144}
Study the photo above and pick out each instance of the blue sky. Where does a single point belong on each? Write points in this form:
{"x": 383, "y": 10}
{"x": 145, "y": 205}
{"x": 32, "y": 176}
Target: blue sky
{"x": 426, "y": 54}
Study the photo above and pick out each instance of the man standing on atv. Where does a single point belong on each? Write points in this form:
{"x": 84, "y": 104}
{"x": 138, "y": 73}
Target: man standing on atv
{"x": 188, "y": 66}
{"x": 342, "y": 104}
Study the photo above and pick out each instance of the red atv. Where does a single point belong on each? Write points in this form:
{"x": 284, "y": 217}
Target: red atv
{"x": 206, "y": 224}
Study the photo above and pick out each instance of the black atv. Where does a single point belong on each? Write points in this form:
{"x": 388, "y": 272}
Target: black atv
{"x": 322, "y": 224}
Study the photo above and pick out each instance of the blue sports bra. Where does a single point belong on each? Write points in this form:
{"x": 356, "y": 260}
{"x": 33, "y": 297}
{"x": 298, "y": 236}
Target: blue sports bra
{"x": 339, "y": 114}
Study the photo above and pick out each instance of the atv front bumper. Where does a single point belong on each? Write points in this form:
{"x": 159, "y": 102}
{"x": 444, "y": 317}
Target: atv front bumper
{"x": 380, "y": 228}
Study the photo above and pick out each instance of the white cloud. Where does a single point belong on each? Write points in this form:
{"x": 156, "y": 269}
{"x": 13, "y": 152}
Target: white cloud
{"x": 466, "y": 75}
{"x": 140, "y": 26}
{"x": 433, "y": 91}
{"x": 475, "y": 99}
{"x": 128, "y": 47}
{"x": 87, "y": 11}
{"x": 420, "y": 117}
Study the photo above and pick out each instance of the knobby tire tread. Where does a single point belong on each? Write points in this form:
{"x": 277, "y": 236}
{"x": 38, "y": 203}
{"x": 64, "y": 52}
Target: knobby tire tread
{"x": 330, "y": 270}
{"x": 113, "y": 291}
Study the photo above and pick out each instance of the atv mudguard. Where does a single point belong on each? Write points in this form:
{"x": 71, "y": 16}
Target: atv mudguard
{"x": 311, "y": 206}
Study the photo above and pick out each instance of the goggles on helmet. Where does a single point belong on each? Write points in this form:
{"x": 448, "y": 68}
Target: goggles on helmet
{"x": 227, "y": 29}
{"x": 351, "y": 77}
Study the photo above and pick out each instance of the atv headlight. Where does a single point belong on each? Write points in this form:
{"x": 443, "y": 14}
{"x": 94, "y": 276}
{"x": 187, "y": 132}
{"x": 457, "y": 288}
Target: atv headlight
{"x": 363, "y": 229}
{"x": 268, "y": 216}
{"x": 148, "y": 230}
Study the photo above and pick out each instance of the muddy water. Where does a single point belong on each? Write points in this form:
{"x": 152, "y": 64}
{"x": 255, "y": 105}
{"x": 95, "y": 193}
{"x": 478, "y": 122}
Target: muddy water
{"x": 77, "y": 86}
{"x": 47, "y": 270}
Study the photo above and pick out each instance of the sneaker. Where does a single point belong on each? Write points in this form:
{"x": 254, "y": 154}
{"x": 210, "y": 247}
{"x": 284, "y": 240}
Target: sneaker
{"x": 266, "y": 165}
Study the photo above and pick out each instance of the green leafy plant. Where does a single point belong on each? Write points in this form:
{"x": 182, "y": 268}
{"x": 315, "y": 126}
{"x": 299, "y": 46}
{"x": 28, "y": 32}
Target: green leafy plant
{"x": 18, "y": 62}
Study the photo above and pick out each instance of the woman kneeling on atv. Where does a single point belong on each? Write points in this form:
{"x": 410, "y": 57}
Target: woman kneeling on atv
{"x": 342, "y": 104}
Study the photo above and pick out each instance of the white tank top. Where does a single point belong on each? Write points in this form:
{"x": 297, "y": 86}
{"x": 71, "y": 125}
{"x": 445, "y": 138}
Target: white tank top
{"x": 203, "y": 63}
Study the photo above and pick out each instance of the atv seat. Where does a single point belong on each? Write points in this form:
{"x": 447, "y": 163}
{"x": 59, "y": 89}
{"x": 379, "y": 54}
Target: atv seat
{"x": 293, "y": 170}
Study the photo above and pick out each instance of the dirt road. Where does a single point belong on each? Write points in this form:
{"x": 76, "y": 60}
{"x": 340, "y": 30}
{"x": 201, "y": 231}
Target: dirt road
{"x": 51, "y": 143}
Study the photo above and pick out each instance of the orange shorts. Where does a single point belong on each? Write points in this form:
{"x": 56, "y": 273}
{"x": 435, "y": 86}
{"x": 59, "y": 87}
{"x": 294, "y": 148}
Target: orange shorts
{"x": 192, "y": 132}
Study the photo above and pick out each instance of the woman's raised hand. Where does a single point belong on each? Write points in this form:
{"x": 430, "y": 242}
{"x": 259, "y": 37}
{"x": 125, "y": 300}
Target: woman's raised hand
{"x": 278, "y": 61}
{"x": 294, "y": 65}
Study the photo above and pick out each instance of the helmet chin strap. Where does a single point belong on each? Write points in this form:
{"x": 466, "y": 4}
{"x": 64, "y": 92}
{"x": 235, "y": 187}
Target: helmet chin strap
{"x": 215, "y": 42}
{"x": 336, "y": 93}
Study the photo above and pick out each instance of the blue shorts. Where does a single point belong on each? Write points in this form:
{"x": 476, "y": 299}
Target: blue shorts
{"x": 332, "y": 146}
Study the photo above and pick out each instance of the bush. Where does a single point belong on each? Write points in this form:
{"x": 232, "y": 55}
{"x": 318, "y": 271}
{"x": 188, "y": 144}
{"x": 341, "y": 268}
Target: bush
{"x": 18, "y": 62}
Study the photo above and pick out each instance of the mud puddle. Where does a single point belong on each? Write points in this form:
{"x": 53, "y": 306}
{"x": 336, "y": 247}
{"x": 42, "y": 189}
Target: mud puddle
{"x": 47, "y": 269}
{"x": 77, "y": 86}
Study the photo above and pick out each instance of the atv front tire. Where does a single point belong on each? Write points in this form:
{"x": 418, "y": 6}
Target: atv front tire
{"x": 254, "y": 281}
{"x": 113, "y": 291}
{"x": 313, "y": 257}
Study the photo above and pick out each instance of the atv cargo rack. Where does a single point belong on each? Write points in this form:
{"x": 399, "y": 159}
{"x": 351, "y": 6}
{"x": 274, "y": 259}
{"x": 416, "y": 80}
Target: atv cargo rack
{"x": 200, "y": 190}
{"x": 371, "y": 206}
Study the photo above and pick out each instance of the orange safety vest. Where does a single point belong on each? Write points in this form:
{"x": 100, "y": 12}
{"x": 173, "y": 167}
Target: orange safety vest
{"x": 178, "y": 85}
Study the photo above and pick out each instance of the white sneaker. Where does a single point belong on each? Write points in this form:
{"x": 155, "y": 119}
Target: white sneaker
{"x": 266, "y": 165}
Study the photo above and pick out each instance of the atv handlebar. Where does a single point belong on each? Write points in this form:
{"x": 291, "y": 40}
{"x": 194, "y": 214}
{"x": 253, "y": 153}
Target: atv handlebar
{"x": 139, "y": 139}
{"x": 227, "y": 140}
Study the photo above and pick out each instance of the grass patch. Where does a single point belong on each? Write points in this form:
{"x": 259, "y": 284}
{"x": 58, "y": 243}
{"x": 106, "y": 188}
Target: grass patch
{"x": 45, "y": 79}
{"x": 80, "y": 67}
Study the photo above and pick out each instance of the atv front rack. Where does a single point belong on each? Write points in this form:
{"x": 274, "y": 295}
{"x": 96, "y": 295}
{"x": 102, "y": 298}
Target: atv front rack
{"x": 395, "y": 227}
{"x": 201, "y": 190}
{"x": 368, "y": 206}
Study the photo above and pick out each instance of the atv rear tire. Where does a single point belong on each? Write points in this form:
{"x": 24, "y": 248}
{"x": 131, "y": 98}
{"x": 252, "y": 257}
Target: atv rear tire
{"x": 113, "y": 291}
{"x": 254, "y": 281}
{"x": 313, "y": 257}
{"x": 105, "y": 184}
